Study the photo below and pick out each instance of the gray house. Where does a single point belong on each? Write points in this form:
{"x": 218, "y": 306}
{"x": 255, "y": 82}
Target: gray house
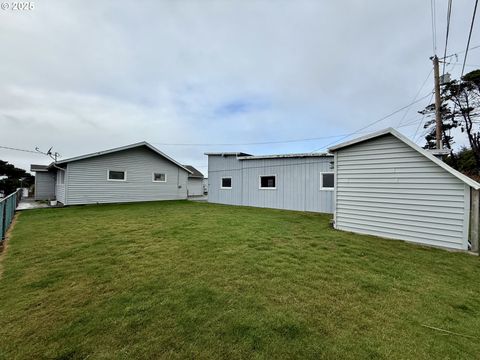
{"x": 295, "y": 181}
{"x": 137, "y": 172}
{"x": 194, "y": 182}
{"x": 388, "y": 186}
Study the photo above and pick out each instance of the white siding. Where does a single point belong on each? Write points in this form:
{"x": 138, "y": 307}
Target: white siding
{"x": 386, "y": 188}
{"x": 60, "y": 188}
{"x": 297, "y": 183}
{"x": 87, "y": 179}
{"x": 44, "y": 185}
{"x": 195, "y": 186}
{"x": 224, "y": 166}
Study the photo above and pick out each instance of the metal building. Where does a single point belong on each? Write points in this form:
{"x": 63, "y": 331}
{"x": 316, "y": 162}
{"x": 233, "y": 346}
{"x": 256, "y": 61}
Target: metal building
{"x": 302, "y": 182}
{"x": 388, "y": 186}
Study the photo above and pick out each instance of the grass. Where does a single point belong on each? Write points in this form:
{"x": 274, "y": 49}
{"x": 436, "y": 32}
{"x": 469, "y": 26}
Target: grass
{"x": 204, "y": 281}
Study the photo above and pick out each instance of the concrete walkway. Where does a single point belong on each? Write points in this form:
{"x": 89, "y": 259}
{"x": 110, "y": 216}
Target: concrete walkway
{"x": 29, "y": 203}
{"x": 198, "y": 198}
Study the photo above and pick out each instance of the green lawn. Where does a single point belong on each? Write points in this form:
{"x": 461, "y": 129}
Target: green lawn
{"x": 196, "y": 280}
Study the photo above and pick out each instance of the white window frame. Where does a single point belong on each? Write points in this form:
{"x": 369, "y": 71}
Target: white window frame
{"x": 159, "y": 181}
{"x": 267, "y": 188}
{"x": 117, "y": 170}
{"x": 225, "y": 187}
{"x": 321, "y": 181}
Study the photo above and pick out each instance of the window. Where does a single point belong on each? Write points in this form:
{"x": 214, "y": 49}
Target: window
{"x": 61, "y": 177}
{"x": 159, "y": 177}
{"x": 115, "y": 175}
{"x": 268, "y": 182}
{"x": 226, "y": 183}
{"x": 327, "y": 181}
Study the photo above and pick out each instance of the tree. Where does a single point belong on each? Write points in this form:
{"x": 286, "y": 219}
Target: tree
{"x": 13, "y": 178}
{"x": 460, "y": 108}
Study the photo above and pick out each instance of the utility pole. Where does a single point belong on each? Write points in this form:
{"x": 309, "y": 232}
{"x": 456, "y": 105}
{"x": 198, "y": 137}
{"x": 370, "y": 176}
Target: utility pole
{"x": 438, "y": 102}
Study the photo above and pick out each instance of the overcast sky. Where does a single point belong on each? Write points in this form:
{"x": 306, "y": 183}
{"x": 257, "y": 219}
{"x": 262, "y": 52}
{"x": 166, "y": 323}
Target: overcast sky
{"x": 86, "y": 76}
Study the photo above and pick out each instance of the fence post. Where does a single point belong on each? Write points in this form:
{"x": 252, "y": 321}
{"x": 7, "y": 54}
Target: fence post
{"x": 4, "y": 220}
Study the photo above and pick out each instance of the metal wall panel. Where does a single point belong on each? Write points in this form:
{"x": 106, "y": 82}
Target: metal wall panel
{"x": 297, "y": 182}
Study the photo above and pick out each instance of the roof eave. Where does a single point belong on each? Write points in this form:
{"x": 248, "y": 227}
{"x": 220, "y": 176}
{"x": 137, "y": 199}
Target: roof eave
{"x": 121, "y": 148}
{"x": 470, "y": 182}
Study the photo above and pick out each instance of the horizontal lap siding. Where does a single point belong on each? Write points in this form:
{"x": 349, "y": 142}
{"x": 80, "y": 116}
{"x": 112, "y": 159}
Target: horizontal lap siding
{"x": 388, "y": 189}
{"x": 87, "y": 179}
{"x": 195, "y": 186}
{"x": 60, "y": 188}
{"x": 60, "y": 193}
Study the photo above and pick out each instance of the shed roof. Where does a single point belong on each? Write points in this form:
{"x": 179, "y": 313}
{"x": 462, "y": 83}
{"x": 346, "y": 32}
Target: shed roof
{"x": 390, "y": 131}
{"x": 195, "y": 173}
{"x": 121, "y": 148}
{"x": 231, "y": 153}
{"x": 37, "y": 168}
{"x": 284, "y": 156}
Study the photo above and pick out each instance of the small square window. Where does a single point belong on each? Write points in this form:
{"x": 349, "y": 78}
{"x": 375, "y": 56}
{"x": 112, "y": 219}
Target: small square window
{"x": 159, "y": 177}
{"x": 268, "y": 182}
{"x": 115, "y": 175}
{"x": 226, "y": 183}
{"x": 327, "y": 181}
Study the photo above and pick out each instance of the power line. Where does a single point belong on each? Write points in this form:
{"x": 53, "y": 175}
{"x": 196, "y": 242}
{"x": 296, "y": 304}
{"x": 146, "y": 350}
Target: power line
{"x": 421, "y": 121}
{"x": 374, "y": 122}
{"x": 23, "y": 150}
{"x": 416, "y": 96}
{"x": 449, "y": 13}
{"x": 434, "y": 26}
{"x": 469, "y": 36}
{"x": 460, "y": 52}
{"x": 248, "y": 143}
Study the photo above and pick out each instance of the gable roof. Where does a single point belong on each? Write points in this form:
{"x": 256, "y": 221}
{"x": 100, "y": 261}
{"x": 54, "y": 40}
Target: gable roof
{"x": 121, "y": 148}
{"x": 390, "y": 131}
{"x": 195, "y": 173}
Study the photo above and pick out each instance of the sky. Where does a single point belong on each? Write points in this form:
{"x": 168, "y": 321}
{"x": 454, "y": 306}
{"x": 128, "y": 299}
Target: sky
{"x": 88, "y": 76}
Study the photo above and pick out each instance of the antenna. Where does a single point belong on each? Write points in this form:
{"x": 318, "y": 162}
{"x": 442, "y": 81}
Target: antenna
{"x": 53, "y": 155}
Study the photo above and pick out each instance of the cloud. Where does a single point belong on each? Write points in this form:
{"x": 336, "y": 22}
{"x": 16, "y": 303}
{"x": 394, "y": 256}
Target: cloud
{"x": 84, "y": 77}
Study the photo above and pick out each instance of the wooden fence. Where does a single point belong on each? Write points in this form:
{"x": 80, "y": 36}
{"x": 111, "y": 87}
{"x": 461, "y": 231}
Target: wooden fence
{"x": 7, "y": 211}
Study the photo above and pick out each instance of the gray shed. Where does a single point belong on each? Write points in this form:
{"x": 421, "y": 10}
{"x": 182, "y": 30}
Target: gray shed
{"x": 137, "y": 172}
{"x": 194, "y": 182}
{"x": 295, "y": 181}
{"x": 44, "y": 182}
{"x": 388, "y": 186}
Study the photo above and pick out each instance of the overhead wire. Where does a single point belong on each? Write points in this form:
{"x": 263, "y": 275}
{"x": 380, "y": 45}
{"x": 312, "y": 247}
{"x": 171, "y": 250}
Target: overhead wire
{"x": 434, "y": 26}
{"x": 469, "y": 36}
{"x": 460, "y": 52}
{"x": 416, "y": 96}
{"x": 375, "y": 122}
{"x": 23, "y": 150}
{"x": 449, "y": 13}
{"x": 421, "y": 121}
